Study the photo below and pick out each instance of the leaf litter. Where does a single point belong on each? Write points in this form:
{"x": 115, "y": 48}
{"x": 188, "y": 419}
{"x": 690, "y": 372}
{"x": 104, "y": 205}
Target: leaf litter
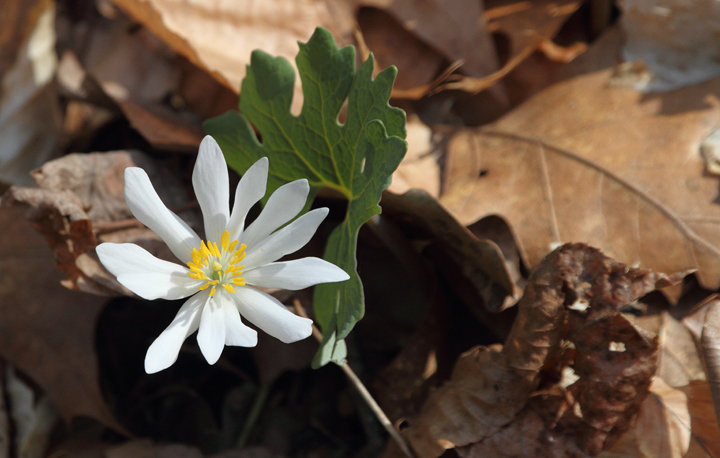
{"x": 435, "y": 290}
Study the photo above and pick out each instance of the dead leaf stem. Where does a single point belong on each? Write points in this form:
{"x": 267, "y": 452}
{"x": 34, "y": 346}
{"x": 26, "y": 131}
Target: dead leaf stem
{"x": 367, "y": 397}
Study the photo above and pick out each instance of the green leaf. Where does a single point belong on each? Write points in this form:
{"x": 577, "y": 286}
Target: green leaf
{"x": 356, "y": 158}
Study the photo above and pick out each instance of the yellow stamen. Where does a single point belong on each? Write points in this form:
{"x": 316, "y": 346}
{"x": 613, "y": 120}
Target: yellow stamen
{"x": 239, "y": 281}
{"x": 203, "y": 286}
{"x": 216, "y": 266}
{"x": 229, "y": 288}
{"x": 238, "y": 258}
{"x": 239, "y": 270}
{"x": 195, "y": 268}
{"x": 216, "y": 252}
{"x": 232, "y": 245}
{"x": 213, "y": 282}
{"x": 225, "y": 240}
{"x": 204, "y": 249}
{"x": 212, "y": 292}
{"x": 196, "y": 256}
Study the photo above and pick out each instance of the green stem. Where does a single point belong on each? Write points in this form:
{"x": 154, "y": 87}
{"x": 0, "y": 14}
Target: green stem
{"x": 253, "y": 416}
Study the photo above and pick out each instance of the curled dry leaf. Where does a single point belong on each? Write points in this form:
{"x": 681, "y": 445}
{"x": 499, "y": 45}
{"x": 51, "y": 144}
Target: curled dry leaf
{"x": 581, "y": 161}
{"x": 480, "y": 261}
{"x": 79, "y": 203}
{"x": 573, "y": 296}
{"x": 526, "y": 26}
{"x": 128, "y": 70}
{"x": 434, "y": 31}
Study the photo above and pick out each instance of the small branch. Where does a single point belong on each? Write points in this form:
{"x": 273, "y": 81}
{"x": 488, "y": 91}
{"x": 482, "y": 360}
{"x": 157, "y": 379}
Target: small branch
{"x": 384, "y": 420}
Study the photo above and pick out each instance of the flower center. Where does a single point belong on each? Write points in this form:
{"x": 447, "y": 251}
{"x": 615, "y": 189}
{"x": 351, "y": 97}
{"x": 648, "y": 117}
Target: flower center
{"x": 218, "y": 266}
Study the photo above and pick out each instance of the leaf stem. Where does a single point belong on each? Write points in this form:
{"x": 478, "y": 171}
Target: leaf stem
{"x": 367, "y": 397}
{"x": 253, "y": 416}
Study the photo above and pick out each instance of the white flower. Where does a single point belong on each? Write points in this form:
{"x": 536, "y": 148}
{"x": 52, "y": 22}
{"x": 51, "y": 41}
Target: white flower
{"x": 222, "y": 269}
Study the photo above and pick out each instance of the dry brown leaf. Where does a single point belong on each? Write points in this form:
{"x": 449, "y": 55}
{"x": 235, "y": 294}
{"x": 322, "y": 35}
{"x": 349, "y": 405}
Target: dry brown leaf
{"x": 573, "y": 296}
{"x": 581, "y": 417}
{"x": 710, "y": 345}
{"x": 480, "y": 261}
{"x": 47, "y": 331}
{"x": 705, "y": 440}
{"x": 688, "y": 55}
{"x": 525, "y": 25}
{"x": 455, "y": 28}
{"x": 30, "y": 119}
{"x": 80, "y": 202}
{"x": 678, "y": 360}
{"x": 128, "y": 70}
{"x": 219, "y": 36}
{"x": 392, "y": 44}
{"x": 661, "y": 429}
{"x": 419, "y": 168}
{"x": 582, "y": 161}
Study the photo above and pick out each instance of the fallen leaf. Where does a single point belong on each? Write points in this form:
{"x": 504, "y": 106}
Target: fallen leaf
{"x": 455, "y": 28}
{"x": 30, "y": 119}
{"x": 685, "y": 57}
{"x": 47, "y": 331}
{"x": 128, "y": 70}
{"x": 710, "y": 345}
{"x": 5, "y": 422}
{"x": 419, "y": 168}
{"x": 662, "y": 427}
{"x": 480, "y": 261}
{"x": 219, "y": 37}
{"x": 525, "y": 26}
{"x": 80, "y": 203}
{"x": 392, "y": 44}
{"x": 573, "y": 296}
{"x": 705, "y": 440}
{"x": 580, "y": 162}
{"x": 678, "y": 360}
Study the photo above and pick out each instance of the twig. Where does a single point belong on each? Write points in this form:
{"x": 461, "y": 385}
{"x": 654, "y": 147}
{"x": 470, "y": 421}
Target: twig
{"x": 384, "y": 420}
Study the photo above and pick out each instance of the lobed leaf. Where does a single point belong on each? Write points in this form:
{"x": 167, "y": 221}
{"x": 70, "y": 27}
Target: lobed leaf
{"x": 356, "y": 158}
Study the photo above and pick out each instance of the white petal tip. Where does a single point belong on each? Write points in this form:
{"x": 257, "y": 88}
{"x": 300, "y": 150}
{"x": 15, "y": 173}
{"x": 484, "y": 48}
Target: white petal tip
{"x": 301, "y": 329}
{"x": 208, "y": 140}
{"x": 155, "y": 362}
{"x": 212, "y": 358}
{"x": 131, "y": 172}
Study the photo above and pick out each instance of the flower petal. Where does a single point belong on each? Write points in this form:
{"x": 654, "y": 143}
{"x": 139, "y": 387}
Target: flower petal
{"x": 267, "y": 313}
{"x": 281, "y": 207}
{"x": 144, "y": 274}
{"x": 164, "y": 350}
{"x": 147, "y": 207}
{"x": 294, "y": 275}
{"x": 249, "y": 191}
{"x": 211, "y": 336}
{"x": 212, "y": 188}
{"x": 236, "y": 332}
{"x": 285, "y": 241}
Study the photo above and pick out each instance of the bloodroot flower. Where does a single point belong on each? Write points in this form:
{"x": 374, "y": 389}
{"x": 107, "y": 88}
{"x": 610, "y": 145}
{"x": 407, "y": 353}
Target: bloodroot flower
{"x": 220, "y": 271}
